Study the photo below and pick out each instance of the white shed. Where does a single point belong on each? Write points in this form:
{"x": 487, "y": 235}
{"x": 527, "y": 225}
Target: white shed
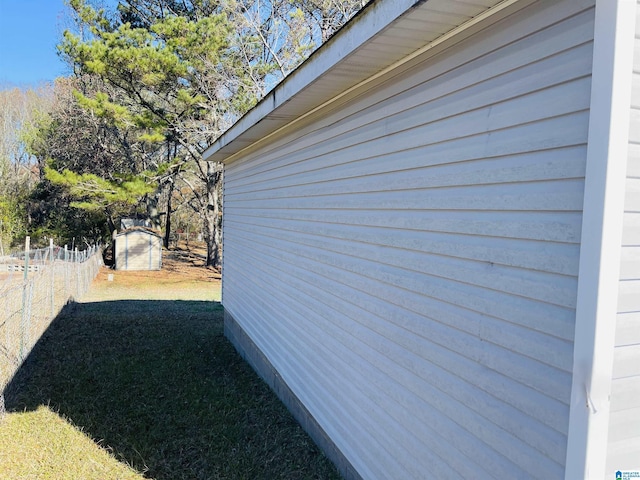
{"x": 138, "y": 248}
{"x": 432, "y": 240}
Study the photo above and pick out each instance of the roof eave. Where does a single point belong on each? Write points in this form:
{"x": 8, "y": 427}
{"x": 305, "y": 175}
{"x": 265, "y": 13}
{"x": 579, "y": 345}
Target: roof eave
{"x": 371, "y": 20}
{"x": 335, "y": 66}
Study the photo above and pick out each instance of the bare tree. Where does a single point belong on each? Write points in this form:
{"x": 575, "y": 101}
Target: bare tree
{"x": 19, "y": 109}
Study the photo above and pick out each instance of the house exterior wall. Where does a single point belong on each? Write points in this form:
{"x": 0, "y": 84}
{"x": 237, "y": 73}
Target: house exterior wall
{"x": 409, "y": 264}
{"x": 138, "y": 250}
{"x": 624, "y": 424}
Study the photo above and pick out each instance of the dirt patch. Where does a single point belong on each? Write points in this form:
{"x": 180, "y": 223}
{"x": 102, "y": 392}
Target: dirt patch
{"x": 189, "y": 263}
{"x": 183, "y": 276}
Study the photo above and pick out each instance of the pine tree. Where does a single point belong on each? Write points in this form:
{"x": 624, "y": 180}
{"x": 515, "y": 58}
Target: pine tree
{"x": 185, "y": 70}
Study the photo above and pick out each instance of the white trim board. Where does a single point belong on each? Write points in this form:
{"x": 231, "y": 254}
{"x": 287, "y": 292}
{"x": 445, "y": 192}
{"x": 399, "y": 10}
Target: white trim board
{"x": 601, "y": 239}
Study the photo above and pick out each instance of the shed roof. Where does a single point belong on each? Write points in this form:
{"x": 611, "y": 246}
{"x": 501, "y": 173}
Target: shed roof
{"x": 139, "y": 229}
{"x": 386, "y": 35}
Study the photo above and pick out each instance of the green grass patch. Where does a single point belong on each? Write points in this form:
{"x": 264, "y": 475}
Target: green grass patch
{"x": 148, "y": 386}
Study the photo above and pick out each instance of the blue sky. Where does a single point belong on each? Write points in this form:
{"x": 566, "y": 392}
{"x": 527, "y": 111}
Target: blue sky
{"x": 29, "y": 32}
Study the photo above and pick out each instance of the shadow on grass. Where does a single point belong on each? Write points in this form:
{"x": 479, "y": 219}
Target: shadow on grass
{"x": 158, "y": 384}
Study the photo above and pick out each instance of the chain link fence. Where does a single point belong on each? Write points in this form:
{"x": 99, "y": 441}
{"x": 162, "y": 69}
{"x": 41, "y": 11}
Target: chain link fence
{"x": 34, "y": 287}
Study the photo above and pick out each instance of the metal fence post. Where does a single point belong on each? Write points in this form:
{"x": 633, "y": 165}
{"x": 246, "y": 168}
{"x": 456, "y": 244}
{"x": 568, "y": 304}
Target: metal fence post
{"x": 23, "y": 322}
{"x": 66, "y": 280}
{"x": 53, "y": 277}
{"x": 77, "y": 260}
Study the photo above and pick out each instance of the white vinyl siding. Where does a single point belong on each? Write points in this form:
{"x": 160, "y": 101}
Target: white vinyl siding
{"x": 409, "y": 263}
{"x": 624, "y": 426}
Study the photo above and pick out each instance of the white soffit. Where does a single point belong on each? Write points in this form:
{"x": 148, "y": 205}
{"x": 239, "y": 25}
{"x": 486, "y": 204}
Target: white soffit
{"x": 383, "y": 35}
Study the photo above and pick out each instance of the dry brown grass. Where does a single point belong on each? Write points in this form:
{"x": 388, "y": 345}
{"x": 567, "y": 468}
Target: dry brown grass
{"x": 183, "y": 277}
{"x": 41, "y": 445}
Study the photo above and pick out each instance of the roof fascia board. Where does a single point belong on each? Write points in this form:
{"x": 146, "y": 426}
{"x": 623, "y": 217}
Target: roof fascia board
{"x": 602, "y": 219}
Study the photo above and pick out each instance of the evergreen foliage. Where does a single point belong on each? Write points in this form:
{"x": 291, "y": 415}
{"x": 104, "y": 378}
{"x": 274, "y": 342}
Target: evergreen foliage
{"x": 96, "y": 193}
{"x": 83, "y": 162}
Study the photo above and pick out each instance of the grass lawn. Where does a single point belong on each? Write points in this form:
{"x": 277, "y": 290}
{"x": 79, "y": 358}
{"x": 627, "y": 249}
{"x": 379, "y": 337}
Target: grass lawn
{"x": 137, "y": 381}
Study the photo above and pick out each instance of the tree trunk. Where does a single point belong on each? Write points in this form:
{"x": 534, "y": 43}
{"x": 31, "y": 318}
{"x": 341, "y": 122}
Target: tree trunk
{"x": 167, "y": 222}
{"x": 213, "y": 257}
{"x": 152, "y": 210}
{"x": 212, "y": 232}
{"x": 111, "y": 224}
